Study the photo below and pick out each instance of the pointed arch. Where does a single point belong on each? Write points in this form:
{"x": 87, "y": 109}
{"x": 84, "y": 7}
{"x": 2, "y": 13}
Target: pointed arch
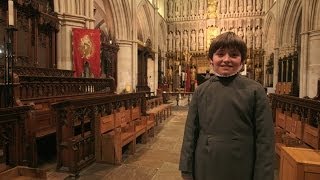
{"x": 145, "y": 20}
{"x": 162, "y": 36}
{"x": 270, "y": 33}
{"x": 289, "y": 20}
{"x": 315, "y": 15}
{"x": 117, "y": 16}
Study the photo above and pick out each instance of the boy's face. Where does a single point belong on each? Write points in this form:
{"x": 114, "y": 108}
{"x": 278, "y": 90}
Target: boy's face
{"x": 226, "y": 62}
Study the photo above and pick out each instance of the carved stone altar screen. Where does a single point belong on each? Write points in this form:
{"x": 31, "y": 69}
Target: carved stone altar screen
{"x": 192, "y": 24}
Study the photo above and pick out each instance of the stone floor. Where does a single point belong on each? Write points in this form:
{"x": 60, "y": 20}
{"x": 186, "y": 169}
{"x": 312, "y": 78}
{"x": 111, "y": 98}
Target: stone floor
{"x": 156, "y": 160}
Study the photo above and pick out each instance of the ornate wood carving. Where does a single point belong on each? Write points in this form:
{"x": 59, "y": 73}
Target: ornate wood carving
{"x": 109, "y": 56}
{"x": 76, "y": 131}
{"x": 12, "y": 136}
{"x": 144, "y": 53}
{"x": 37, "y": 25}
{"x": 289, "y": 71}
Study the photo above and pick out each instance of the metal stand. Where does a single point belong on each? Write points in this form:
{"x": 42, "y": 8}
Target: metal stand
{"x": 8, "y": 69}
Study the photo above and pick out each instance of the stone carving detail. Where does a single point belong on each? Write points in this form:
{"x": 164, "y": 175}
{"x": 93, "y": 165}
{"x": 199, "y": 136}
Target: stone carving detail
{"x": 177, "y": 41}
{"x": 185, "y": 8}
{"x": 193, "y": 7}
{"x": 223, "y": 6}
{"x": 232, "y": 6}
{"x": 201, "y": 39}
{"x": 212, "y": 8}
{"x": 259, "y": 5}
{"x": 249, "y": 36}
{"x": 258, "y": 38}
{"x": 170, "y": 41}
{"x": 249, "y": 6}
{"x": 240, "y": 10}
{"x": 193, "y": 40}
{"x": 177, "y": 7}
{"x": 201, "y": 6}
{"x": 240, "y": 33}
{"x": 185, "y": 34}
{"x": 185, "y": 40}
{"x": 170, "y": 8}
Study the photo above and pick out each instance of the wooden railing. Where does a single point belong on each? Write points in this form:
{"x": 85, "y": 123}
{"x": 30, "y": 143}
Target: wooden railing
{"x": 30, "y": 87}
{"x": 41, "y": 91}
{"x": 34, "y": 71}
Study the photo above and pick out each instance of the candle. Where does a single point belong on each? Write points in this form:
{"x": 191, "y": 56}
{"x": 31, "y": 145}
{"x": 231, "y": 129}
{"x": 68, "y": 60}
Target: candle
{"x": 10, "y": 12}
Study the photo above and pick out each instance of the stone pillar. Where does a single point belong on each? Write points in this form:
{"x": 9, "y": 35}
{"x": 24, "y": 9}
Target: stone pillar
{"x": 56, "y": 6}
{"x": 157, "y": 28}
{"x": 304, "y": 50}
{"x": 134, "y": 48}
{"x": 64, "y": 51}
{"x": 124, "y": 65}
{"x": 69, "y": 18}
{"x": 275, "y": 67}
{"x": 313, "y": 63}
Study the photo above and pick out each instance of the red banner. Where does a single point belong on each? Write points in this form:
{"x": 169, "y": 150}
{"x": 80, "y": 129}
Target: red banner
{"x": 86, "y": 52}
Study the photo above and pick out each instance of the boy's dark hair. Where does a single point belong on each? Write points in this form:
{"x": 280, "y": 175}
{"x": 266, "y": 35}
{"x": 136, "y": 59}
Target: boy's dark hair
{"x": 228, "y": 40}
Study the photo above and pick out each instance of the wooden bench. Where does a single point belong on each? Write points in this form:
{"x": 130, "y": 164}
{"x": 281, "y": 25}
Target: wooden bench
{"x": 296, "y": 121}
{"x": 157, "y": 110}
{"x": 41, "y": 91}
{"x": 107, "y": 127}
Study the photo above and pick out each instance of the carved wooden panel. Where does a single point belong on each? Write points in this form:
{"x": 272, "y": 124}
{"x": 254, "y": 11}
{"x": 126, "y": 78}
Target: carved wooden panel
{"x": 34, "y": 41}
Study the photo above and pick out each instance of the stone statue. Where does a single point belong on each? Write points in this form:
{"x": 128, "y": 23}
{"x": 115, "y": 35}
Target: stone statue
{"x": 193, "y": 7}
{"x": 177, "y": 7}
{"x": 201, "y": 6}
{"x": 177, "y": 37}
{"x": 249, "y": 5}
{"x": 232, "y": 6}
{"x": 193, "y": 40}
{"x": 258, "y": 37}
{"x": 185, "y": 8}
{"x": 240, "y": 9}
{"x": 201, "y": 39}
{"x": 185, "y": 40}
{"x": 223, "y": 6}
{"x": 193, "y": 73}
{"x": 170, "y": 43}
{"x": 240, "y": 33}
{"x": 249, "y": 36}
{"x": 259, "y": 5}
{"x": 169, "y": 75}
{"x": 170, "y": 8}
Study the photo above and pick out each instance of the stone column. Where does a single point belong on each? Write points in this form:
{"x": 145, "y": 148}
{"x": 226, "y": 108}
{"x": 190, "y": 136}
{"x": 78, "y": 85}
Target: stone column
{"x": 156, "y": 42}
{"x": 56, "y": 6}
{"x": 73, "y": 7}
{"x": 275, "y": 67}
{"x": 69, "y": 19}
{"x": 304, "y": 50}
{"x": 134, "y": 48}
{"x": 124, "y": 65}
{"x": 313, "y": 63}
